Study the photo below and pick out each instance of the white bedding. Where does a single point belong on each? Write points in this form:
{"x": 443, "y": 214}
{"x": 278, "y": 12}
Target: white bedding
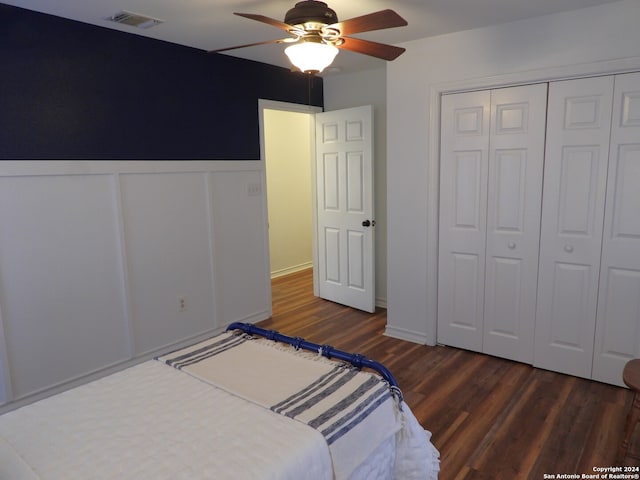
{"x": 354, "y": 410}
{"x": 155, "y": 422}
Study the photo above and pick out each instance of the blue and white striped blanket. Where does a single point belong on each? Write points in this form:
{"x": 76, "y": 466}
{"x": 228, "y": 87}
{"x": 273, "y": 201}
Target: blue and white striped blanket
{"x": 353, "y": 410}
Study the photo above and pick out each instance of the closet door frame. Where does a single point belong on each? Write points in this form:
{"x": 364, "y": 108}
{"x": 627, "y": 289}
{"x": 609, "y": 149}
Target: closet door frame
{"x": 435, "y": 91}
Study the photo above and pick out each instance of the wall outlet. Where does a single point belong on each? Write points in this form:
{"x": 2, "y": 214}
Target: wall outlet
{"x": 182, "y": 304}
{"x": 254, "y": 189}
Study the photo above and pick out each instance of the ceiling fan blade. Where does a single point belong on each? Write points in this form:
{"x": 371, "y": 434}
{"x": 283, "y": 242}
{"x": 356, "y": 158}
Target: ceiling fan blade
{"x": 374, "y": 49}
{"x": 282, "y": 40}
{"x": 269, "y": 21}
{"x": 372, "y": 21}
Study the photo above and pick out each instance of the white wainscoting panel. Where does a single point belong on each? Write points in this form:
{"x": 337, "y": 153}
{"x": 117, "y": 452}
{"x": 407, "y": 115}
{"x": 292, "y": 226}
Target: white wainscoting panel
{"x": 103, "y": 264}
{"x": 240, "y": 247}
{"x": 166, "y": 224}
{"x": 60, "y": 278}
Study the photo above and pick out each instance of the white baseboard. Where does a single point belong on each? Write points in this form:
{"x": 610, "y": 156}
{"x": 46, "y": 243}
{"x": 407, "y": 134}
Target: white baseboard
{"x": 381, "y": 302}
{"x": 288, "y": 270}
{"x": 253, "y": 318}
{"x": 408, "y": 335}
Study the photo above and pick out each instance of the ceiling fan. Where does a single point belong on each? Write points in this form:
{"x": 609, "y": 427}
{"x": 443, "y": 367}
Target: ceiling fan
{"x": 316, "y": 34}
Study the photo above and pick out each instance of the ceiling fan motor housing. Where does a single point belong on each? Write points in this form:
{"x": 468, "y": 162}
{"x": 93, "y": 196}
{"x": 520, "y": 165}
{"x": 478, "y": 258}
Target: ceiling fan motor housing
{"x": 311, "y": 11}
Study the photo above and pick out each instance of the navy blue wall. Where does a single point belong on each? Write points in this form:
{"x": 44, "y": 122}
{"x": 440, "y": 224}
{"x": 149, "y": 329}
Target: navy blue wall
{"x": 69, "y": 90}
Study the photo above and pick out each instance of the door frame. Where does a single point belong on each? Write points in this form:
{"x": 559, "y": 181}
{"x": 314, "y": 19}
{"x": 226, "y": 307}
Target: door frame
{"x": 294, "y": 108}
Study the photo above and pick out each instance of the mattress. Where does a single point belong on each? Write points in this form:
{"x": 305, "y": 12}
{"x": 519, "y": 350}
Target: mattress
{"x": 153, "y": 421}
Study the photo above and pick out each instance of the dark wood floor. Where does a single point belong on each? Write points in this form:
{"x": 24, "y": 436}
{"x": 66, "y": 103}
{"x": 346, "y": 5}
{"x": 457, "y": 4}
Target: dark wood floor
{"x": 490, "y": 418}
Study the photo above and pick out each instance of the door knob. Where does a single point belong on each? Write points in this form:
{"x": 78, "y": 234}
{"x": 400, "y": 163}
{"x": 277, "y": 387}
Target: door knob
{"x": 369, "y": 223}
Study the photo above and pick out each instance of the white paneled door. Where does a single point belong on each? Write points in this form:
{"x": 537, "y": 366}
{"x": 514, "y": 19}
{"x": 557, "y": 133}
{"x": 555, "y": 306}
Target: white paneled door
{"x": 492, "y": 153}
{"x": 345, "y": 218}
{"x": 618, "y": 324}
{"x": 539, "y": 235}
{"x": 575, "y": 177}
{"x": 516, "y": 160}
{"x": 464, "y": 152}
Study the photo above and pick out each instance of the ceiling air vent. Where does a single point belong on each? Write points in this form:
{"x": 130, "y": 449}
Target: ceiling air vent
{"x": 134, "y": 19}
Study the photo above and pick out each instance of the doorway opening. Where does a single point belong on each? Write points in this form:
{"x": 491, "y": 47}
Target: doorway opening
{"x": 289, "y": 198}
{"x": 341, "y": 192}
{"x": 287, "y": 142}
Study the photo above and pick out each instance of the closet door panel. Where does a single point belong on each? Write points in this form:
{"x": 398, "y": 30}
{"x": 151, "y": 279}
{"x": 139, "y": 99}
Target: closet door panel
{"x": 618, "y": 325}
{"x": 516, "y": 157}
{"x": 575, "y": 175}
{"x": 463, "y": 200}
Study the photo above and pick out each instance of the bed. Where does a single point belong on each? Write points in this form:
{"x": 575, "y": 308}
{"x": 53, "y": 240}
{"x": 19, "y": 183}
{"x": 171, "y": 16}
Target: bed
{"x": 246, "y": 404}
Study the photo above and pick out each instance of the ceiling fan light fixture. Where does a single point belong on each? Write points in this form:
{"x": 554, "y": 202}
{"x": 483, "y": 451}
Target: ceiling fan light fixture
{"x": 311, "y": 57}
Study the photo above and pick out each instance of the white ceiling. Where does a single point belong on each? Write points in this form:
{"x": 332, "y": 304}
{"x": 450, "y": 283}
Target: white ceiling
{"x": 210, "y": 24}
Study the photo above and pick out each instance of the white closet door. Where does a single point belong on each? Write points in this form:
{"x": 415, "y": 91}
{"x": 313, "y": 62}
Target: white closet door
{"x": 516, "y": 157}
{"x": 578, "y": 127}
{"x": 463, "y": 212}
{"x": 618, "y": 323}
